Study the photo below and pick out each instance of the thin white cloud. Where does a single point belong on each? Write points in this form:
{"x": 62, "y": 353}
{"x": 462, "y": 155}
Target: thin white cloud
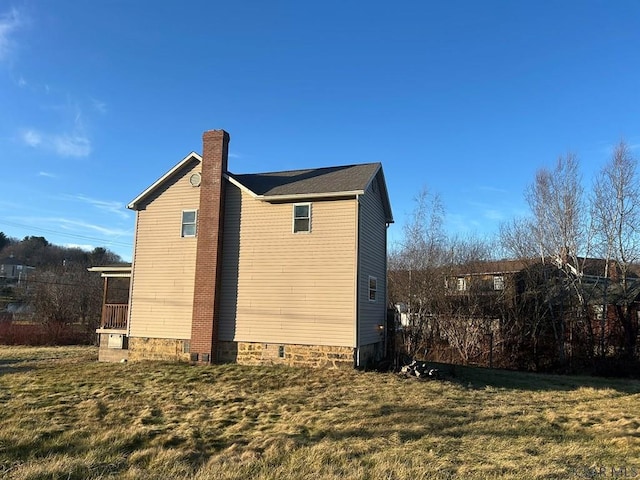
{"x": 493, "y": 214}
{"x": 99, "y": 106}
{"x": 9, "y": 22}
{"x": 456, "y": 222}
{"x": 71, "y": 145}
{"x": 47, "y": 174}
{"x": 75, "y": 225}
{"x": 110, "y": 206}
{"x": 65, "y": 145}
{"x": 32, "y": 138}
{"x": 486, "y": 188}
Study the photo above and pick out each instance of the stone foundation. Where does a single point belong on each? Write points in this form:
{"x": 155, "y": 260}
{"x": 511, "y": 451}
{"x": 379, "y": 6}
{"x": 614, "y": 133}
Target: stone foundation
{"x": 248, "y": 353}
{"x": 158, "y": 349}
{"x": 243, "y": 353}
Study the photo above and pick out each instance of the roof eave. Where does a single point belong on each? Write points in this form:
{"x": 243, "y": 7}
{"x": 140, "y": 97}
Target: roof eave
{"x": 308, "y": 196}
{"x": 385, "y": 195}
{"x": 115, "y": 271}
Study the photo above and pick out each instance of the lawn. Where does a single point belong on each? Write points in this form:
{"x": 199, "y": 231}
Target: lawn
{"x": 63, "y": 415}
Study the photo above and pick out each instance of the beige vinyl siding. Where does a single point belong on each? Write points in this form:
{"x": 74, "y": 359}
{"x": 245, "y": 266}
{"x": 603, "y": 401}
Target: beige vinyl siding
{"x": 373, "y": 253}
{"x": 164, "y": 262}
{"x": 281, "y": 287}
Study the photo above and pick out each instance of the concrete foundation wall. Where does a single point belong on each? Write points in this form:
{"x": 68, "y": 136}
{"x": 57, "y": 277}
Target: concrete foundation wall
{"x": 370, "y": 354}
{"x": 247, "y": 353}
{"x": 158, "y": 349}
{"x": 106, "y": 354}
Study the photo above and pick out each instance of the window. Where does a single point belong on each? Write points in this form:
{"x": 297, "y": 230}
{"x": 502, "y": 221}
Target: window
{"x": 189, "y": 218}
{"x": 373, "y": 289}
{"x": 462, "y": 284}
{"x": 498, "y": 282}
{"x": 301, "y": 217}
{"x": 598, "y": 310}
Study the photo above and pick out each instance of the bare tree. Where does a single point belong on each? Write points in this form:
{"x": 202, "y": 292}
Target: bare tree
{"x": 616, "y": 210}
{"x": 516, "y": 239}
{"x": 466, "y": 313}
{"x": 415, "y": 278}
{"x": 563, "y": 234}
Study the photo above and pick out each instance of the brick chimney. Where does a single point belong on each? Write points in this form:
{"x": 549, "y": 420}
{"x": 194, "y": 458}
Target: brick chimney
{"x": 206, "y": 302}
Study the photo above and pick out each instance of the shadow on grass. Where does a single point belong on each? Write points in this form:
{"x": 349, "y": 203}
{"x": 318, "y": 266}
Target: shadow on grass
{"x": 481, "y": 378}
{"x": 13, "y": 366}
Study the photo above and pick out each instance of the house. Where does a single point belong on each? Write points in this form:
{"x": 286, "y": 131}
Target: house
{"x": 279, "y": 267}
{"x": 529, "y": 313}
{"x": 13, "y": 269}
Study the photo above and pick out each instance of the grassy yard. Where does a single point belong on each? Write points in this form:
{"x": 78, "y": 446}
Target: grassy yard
{"x": 63, "y": 415}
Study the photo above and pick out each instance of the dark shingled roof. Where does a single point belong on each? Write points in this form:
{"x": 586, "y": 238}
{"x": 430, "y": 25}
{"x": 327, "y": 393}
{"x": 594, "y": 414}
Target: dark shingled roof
{"x": 11, "y": 261}
{"x": 347, "y": 178}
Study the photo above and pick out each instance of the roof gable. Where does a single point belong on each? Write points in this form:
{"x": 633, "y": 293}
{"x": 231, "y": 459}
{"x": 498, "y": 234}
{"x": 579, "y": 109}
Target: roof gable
{"x": 193, "y": 156}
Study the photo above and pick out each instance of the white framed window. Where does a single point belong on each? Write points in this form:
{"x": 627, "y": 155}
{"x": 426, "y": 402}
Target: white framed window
{"x": 461, "y": 284}
{"x": 301, "y": 218}
{"x": 189, "y": 222}
{"x": 373, "y": 288}
{"x": 498, "y": 282}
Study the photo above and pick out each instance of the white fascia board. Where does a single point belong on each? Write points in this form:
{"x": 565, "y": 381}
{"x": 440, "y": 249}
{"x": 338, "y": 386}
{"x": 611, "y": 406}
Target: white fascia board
{"x": 112, "y": 272}
{"x": 115, "y": 275}
{"x": 161, "y": 180}
{"x": 308, "y": 196}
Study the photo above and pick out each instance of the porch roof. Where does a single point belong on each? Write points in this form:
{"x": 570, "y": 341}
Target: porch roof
{"x": 112, "y": 271}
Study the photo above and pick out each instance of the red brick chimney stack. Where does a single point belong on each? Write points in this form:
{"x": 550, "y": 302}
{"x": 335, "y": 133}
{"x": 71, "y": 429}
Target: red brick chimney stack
{"x": 204, "y": 327}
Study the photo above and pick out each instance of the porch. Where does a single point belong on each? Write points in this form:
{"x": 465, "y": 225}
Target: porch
{"x": 112, "y": 333}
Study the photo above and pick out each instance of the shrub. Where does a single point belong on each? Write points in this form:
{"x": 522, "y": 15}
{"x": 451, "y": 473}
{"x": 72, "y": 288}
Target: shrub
{"x": 36, "y": 334}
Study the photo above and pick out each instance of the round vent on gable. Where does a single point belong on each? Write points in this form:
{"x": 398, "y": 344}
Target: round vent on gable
{"x": 195, "y": 179}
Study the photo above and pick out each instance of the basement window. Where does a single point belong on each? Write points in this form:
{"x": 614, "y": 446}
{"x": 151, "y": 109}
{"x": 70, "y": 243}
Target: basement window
{"x": 189, "y": 218}
{"x": 373, "y": 288}
{"x": 301, "y": 218}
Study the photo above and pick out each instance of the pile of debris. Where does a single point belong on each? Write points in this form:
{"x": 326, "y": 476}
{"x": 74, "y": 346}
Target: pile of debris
{"x": 420, "y": 370}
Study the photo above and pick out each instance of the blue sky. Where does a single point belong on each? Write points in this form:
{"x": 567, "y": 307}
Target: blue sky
{"x": 468, "y": 98}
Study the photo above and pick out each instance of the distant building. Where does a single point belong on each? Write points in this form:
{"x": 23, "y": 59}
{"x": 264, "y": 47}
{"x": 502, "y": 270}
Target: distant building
{"x": 13, "y": 269}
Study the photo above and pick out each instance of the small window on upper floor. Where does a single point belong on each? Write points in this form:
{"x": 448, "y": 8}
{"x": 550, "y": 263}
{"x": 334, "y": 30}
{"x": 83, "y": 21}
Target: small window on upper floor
{"x": 301, "y": 218}
{"x": 189, "y": 219}
{"x": 498, "y": 282}
{"x": 461, "y": 284}
{"x": 373, "y": 289}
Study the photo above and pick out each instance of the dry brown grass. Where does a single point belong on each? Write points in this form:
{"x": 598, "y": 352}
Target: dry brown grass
{"x": 65, "y": 416}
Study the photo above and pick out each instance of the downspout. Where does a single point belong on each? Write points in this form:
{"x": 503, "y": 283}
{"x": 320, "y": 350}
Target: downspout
{"x": 357, "y": 286}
